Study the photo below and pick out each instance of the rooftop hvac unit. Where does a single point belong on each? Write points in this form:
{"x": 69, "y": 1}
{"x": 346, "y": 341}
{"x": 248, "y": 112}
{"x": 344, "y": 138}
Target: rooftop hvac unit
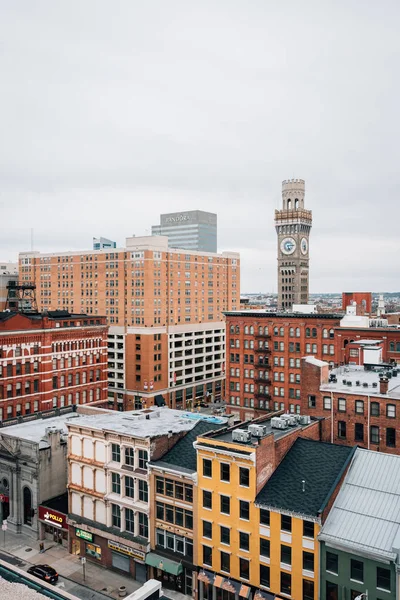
{"x": 290, "y": 420}
{"x": 365, "y": 384}
{"x": 357, "y": 382}
{"x": 277, "y": 423}
{"x": 257, "y": 430}
{"x": 375, "y": 384}
{"x": 241, "y": 435}
{"x": 305, "y": 419}
{"x": 349, "y": 383}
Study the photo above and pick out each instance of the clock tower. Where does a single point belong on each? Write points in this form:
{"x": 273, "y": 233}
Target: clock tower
{"x": 293, "y": 225}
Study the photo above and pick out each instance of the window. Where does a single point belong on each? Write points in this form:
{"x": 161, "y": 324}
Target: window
{"x": 391, "y": 411}
{"x": 286, "y": 523}
{"x": 143, "y": 491}
{"x": 311, "y": 401}
{"x": 374, "y": 434}
{"x": 207, "y": 529}
{"x": 129, "y": 487}
{"x": 129, "y": 520}
{"x": 225, "y": 534}
{"x": 207, "y": 468}
{"x": 286, "y": 555}
{"x": 342, "y": 430}
{"x": 327, "y": 403}
{"x": 116, "y": 483}
{"x": 244, "y": 541}
{"x": 129, "y": 457}
{"x": 159, "y": 485}
{"x": 308, "y": 561}
{"x": 244, "y": 568}
{"x": 358, "y": 432}
{"x": 264, "y": 547}
{"x": 115, "y": 453}
{"x": 116, "y": 515}
{"x": 264, "y": 576}
{"x": 383, "y": 579}
{"x": 341, "y": 404}
{"x": 244, "y": 510}
{"x": 143, "y": 525}
{"x": 143, "y": 459}
{"x": 308, "y": 590}
{"x": 286, "y": 583}
{"x": 225, "y": 505}
{"x": 331, "y": 591}
{"x": 332, "y": 563}
{"x": 360, "y": 407}
{"x": 207, "y": 555}
{"x": 308, "y": 529}
{"x": 244, "y": 477}
{"x": 264, "y": 517}
{"x": 225, "y": 562}
{"x": 391, "y": 437}
{"x": 374, "y": 409}
{"x": 225, "y": 472}
{"x": 357, "y": 570}
{"x": 207, "y": 499}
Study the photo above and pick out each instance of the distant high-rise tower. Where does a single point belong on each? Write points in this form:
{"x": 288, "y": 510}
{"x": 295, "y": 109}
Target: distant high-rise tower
{"x": 293, "y": 225}
{"x": 190, "y": 230}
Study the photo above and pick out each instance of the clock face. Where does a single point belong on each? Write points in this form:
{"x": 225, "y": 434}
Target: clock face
{"x": 304, "y": 246}
{"x": 288, "y": 245}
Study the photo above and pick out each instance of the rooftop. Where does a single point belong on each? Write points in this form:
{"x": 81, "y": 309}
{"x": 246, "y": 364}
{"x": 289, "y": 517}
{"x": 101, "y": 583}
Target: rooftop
{"x": 34, "y": 431}
{"x": 145, "y": 423}
{"x": 358, "y": 380}
{"x": 365, "y": 517}
{"x": 183, "y": 455}
{"x": 53, "y": 315}
{"x": 312, "y": 466}
{"x": 229, "y": 434}
{"x": 284, "y": 315}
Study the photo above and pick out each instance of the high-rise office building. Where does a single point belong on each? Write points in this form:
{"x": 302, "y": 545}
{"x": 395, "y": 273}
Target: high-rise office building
{"x": 293, "y": 225}
{"x": 100, "y": 243}
{"x": 190, "y": 230}
{"x": 164, "y": 307}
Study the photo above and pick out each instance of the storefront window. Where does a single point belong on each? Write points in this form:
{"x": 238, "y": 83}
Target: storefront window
{"x": 93, "y": 550}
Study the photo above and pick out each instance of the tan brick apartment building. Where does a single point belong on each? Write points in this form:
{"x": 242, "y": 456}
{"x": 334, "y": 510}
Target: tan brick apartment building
{"x": 164, "y": 307}
{"x": 264, "y": 352}
{"x": 49, "y": 361}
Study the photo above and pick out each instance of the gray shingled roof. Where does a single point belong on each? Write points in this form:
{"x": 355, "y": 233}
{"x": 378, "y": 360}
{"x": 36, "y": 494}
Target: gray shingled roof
{"x": 183, "y": 453}
{"x": 366, "y": 514}
{"x": 319, "y": 464}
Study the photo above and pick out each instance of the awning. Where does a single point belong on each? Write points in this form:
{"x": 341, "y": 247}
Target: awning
{"x": 231, "y": 586}
{"x": 164, "y": 564}
{"x": 260, "y": 595}
{"x": 219, "y": 581}
{"x": 206, "y": 577}
{"x": 244, "y": 591}
{"x": 159, "y": 400}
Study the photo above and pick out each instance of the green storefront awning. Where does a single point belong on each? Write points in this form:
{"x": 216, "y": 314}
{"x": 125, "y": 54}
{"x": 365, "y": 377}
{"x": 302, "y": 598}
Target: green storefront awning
{"x": 164, "y": 564}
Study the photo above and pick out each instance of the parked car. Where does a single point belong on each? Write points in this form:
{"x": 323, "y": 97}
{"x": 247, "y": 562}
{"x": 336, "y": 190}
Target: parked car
{"x": 44, "y": 572}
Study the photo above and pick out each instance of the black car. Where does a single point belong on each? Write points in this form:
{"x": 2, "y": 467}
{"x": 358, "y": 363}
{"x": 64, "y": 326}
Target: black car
{"x": 44, "y": 572}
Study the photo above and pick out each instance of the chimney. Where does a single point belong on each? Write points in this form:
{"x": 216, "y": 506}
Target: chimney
{"x": 383, "y": 385}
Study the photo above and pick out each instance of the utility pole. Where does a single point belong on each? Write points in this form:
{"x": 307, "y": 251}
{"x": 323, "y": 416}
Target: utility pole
{"x": 83, "y": 561}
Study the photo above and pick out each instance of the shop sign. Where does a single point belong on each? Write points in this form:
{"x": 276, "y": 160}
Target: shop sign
{"x": 127, "y": 550}
{"x": 84, "y": 535}
{"x": 52, "y": 517}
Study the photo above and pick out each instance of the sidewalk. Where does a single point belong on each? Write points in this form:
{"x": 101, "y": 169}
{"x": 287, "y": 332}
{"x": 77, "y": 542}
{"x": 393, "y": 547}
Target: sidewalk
{"x": 99, "y": 584}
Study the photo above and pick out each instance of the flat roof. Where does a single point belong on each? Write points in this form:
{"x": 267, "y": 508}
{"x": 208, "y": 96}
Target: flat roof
{"x": 366, "y": 380}
{"x": 149, "y": 422}
{"x": 35, "y": 430}
{"x": 285, "y": 315}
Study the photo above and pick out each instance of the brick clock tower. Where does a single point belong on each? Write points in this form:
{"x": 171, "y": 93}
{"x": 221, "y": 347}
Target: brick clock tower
{"x": 293, "y": 225}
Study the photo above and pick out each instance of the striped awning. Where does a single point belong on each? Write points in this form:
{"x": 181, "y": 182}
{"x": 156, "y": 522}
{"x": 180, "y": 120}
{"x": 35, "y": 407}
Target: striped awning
{"x": 260, "y": 595}
{"x": 219, "y": 581}
{"x": 205, "y": 576}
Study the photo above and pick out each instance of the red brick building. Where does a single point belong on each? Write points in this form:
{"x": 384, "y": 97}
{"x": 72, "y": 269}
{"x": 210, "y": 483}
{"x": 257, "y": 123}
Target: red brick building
{"x": 264, "y": 352}
{"x": 363, "y": 300}
{"x": 389, "y": 338}
{"x": 50, "y": 360}
{"x": 362, "y": 404}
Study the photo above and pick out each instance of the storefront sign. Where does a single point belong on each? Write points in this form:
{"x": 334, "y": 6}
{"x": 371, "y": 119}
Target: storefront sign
{"x": 127, "y": 550}
{"x": 52, "y": 517}
{"x": 84, "y": 535}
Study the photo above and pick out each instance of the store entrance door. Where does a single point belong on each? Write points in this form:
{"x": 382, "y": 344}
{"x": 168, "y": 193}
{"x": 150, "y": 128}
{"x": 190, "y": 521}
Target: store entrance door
{"x": 141, "y": 572}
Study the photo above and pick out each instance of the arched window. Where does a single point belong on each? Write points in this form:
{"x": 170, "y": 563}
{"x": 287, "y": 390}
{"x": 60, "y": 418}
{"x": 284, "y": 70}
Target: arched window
{"x": 398, "y": 347}
{"x": 266, "y": 330}
{"x": 276, "y": 331}
{"x": 314, "y": 332}
{"x": 232, "y": 329}
{"x": 289, "y": 204}
{"x": 246, "y": 329}
{"x": 251, "y": 329}
{"x": 281, "y": 331}
{"x": 331, "y": 333}
{"x": 308, "y": 332}
{"x": 298, "y": 332}
{"x": 237, "y": 330}
{"x": 260, "y": 330}
{"x": 391, "y": 346}
{"x": 27, "y": 499}
{"x": 296, "y": 203}
{"x": 291, "y": 332}
{"x": 325, "y": 333}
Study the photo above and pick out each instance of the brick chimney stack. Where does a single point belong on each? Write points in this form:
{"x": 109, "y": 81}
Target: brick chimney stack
{"x": 383, "y": 385}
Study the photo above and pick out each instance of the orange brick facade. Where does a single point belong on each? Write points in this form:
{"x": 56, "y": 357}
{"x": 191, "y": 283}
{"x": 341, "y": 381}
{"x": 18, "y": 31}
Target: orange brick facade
{"x": 48, "y": 363}
{"x": 151, "y": 295}
{"x": 264, "y": 353}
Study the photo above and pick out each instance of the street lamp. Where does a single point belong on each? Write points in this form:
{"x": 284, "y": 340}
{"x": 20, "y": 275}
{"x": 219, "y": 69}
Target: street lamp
{"x": 361, "y": 596}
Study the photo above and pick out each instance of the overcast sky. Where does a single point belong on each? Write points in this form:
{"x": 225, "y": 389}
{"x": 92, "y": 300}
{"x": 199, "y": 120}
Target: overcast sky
{"x": 115, "y": 111}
